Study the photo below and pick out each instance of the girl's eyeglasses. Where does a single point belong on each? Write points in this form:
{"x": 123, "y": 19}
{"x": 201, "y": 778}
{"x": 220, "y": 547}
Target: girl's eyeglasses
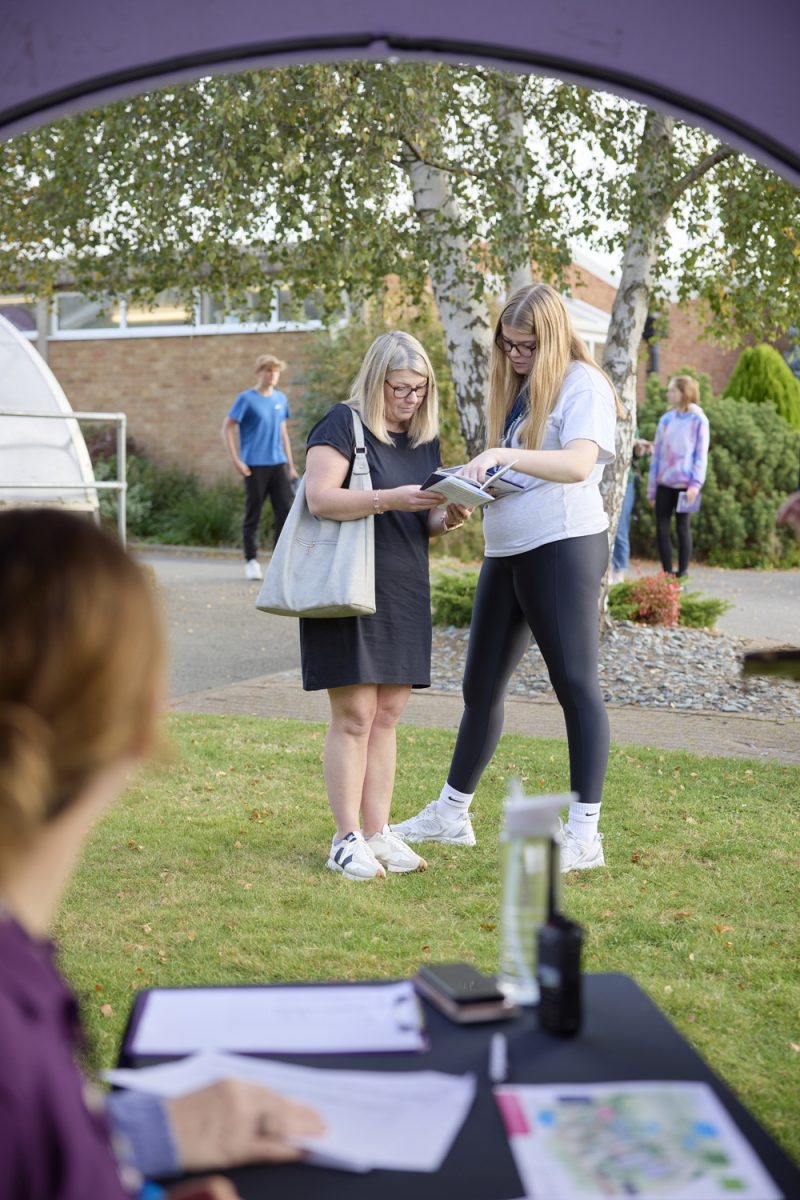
{"x": 525, "y": 349}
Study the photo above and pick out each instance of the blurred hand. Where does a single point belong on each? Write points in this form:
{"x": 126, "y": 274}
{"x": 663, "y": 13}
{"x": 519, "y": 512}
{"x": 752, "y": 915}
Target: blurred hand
{"x": 457, "y": 513}
{"x": 233, "y": 1122}
{"x": 691, "y": 494}
{"x": 243, "y": 468}
{"x": 293, "y": 473}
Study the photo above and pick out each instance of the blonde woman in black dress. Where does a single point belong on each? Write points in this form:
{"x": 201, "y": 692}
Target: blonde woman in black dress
{"x": 368, "y": 665}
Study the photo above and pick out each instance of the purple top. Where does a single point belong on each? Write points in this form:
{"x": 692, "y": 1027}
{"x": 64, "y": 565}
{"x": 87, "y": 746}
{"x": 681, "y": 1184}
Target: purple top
{"x": 54, "y": 1141}
{"x": 680, "y": 452}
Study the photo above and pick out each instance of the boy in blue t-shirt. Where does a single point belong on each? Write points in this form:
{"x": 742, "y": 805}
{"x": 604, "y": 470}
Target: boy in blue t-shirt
{"x": 264, "y": 456}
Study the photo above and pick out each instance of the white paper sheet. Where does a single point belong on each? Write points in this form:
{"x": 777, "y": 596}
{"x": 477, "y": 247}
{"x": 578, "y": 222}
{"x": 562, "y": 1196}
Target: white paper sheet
{"x": 280, "y": 1020}
{"x": 403, "y": 1121}
{"x": 665, "y": 1140}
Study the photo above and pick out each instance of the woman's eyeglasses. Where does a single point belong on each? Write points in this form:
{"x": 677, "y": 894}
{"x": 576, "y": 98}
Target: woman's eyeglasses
{"x": 402, "y": 391}
{"x": 524, "y": 349}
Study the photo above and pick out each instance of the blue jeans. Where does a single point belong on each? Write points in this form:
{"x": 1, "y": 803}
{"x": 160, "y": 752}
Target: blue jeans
{"x": 622, "y": 544}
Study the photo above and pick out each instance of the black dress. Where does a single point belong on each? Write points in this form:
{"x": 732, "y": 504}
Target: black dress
{"x": 394, "y": 644}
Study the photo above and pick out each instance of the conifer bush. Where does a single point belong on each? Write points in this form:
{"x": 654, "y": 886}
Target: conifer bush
{"x": 762, "y": 376}
{"x": 754, "y": 458}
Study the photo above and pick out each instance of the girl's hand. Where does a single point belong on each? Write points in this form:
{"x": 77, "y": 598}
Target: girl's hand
{"x": 476, "y": 468}
{"x": 691, "y": 494}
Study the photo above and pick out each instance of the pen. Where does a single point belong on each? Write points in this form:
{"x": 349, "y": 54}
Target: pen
{"x": 498, "y": 1058}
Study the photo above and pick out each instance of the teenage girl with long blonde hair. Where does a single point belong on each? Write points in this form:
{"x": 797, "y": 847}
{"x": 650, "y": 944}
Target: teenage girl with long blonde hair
{"x": 551, "y": 412}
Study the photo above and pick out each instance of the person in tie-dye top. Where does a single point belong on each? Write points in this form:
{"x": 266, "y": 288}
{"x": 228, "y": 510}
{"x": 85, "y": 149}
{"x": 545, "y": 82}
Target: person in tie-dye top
{"x": 678, "y": 465}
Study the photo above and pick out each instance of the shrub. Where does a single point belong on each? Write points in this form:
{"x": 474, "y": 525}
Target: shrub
{"x": 452, "y": 597}
{"x": 166, "y": 504}
{"x": 656, "y": 599}
{"x": 701, "y": 612}
{"x": 753, "y": 464}
{"x": 694, "y": 610}
{"x": 762, "y": 376}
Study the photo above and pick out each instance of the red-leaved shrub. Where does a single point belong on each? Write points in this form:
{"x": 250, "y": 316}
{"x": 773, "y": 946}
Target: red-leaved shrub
{"x": 657, "y": 599}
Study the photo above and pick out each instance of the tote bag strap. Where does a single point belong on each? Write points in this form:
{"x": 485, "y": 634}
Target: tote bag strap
{"x": 360, "y": 462}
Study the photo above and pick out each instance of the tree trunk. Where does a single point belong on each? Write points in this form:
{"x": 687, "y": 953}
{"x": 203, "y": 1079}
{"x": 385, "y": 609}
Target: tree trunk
{"x": 629, "y": 312}
{"x": 465, "y": 319}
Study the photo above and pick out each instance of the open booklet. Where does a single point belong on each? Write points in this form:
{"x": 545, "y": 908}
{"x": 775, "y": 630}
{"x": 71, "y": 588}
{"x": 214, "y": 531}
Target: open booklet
{"x": 457, "y": 489}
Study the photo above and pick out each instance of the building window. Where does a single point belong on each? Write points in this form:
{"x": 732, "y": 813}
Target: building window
{"x": 19, "y": 311}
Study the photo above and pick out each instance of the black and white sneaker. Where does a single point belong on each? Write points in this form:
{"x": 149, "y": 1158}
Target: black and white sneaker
{"x": 352, "y": 857}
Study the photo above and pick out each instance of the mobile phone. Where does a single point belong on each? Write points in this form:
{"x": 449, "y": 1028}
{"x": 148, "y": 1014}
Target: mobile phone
{"x": 559, "y": 975}
{"x": 460, "y": 982}
{"x": 463, "y": 994}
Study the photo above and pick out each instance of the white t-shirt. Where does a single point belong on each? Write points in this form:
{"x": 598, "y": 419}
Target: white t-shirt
{"x": 549, "y": 512}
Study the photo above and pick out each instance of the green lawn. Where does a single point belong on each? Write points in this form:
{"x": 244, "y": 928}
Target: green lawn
{"x": 212, "y": 870}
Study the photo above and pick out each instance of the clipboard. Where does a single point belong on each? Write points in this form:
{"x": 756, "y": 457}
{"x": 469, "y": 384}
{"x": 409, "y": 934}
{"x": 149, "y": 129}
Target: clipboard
{"x": 306, "y": 1018}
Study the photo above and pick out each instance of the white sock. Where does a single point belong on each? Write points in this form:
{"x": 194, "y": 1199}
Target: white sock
{"x": 452, "y": 802}
{"x": 583, "y": 820}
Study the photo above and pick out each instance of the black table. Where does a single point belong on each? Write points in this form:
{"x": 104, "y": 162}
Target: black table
{"x": 625, "y": 1037}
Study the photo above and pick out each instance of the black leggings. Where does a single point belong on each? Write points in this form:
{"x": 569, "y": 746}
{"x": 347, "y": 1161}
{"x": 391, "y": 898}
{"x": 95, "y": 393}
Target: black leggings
{"x": 666, "y": 502}
{"x": 551, "y": 592}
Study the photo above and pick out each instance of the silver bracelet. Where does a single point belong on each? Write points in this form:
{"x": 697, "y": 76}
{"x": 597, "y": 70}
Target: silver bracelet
{"x": 376, "y": 504}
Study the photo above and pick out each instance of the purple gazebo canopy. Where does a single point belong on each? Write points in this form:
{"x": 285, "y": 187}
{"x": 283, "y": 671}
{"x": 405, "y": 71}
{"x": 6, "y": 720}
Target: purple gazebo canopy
{"x": 730, "y": 66}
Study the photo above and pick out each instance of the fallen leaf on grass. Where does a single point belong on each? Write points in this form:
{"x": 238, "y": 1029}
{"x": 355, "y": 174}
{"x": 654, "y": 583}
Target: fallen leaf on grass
{"x": 106, "y": 1010}
{"x": 794, "y": 1046}
{"x": 488, "y": 928}
{"x": 723, "y": 929}
{"x": 682, "y": 913}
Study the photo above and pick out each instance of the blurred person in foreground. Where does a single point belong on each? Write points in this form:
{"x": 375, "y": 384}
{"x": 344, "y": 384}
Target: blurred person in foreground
{"x": 82, "y": 687}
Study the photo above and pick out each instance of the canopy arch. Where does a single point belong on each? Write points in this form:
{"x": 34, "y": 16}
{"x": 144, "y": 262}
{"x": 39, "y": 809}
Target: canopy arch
{"x": 729, "y": 68}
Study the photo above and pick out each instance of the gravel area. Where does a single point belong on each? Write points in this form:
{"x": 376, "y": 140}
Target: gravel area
{"x": 652, "y": 667}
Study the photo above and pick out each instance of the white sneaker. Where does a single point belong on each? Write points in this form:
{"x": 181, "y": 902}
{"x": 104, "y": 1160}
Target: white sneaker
{"x": 352, "y": 857}
{"x": 252, "y": 569}
{"x": 577, "y": 855}
{"x": 434, "y": 825}
{"x": 392, "y": 852}
{"x": 615, "y": 576}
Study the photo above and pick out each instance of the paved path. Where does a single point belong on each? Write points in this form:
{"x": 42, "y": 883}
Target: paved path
{"x": 230, "y": 659}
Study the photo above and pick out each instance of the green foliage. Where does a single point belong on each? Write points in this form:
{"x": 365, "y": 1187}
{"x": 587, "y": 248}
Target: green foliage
{"x": 644, "y": 599}
{"x": 762, "y": 376}
{"x": 753, "y": 464}
{"x": 701, "y": 612}
{"x": 452, "y": 597}
{"x": 166, "y": 504}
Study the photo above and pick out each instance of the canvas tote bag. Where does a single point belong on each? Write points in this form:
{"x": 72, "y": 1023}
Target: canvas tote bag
{"x": 323, "y": 568}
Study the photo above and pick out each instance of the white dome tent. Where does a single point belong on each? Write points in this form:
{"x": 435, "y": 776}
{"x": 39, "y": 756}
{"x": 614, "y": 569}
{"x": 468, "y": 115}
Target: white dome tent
{"x": 43, "y": 455}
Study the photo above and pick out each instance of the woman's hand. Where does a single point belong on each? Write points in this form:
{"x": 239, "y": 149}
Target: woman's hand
{"x": 692, "y": 493}
{"x": 235, "y": 1122}
{"x": 409, "y": 498}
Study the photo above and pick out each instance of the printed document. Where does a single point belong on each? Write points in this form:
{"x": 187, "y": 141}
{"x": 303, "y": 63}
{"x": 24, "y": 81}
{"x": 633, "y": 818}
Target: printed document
{"x": 279, "y": 1020}
{"x": 395, "y": 1120}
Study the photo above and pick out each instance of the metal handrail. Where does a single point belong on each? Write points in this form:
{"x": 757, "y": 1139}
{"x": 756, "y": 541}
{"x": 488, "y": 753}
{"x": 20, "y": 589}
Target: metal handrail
{"x": 120, "y": 485}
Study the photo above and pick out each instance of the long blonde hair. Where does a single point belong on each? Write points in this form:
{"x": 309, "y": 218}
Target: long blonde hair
{"x": 81, "y": 665}
{"x": 540, "y": 310}
{"x": 395, "y": 351}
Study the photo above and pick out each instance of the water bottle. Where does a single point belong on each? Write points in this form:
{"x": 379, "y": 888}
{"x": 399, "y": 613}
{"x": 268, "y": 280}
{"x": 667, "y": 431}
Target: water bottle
{"x": 529, "y": 887}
